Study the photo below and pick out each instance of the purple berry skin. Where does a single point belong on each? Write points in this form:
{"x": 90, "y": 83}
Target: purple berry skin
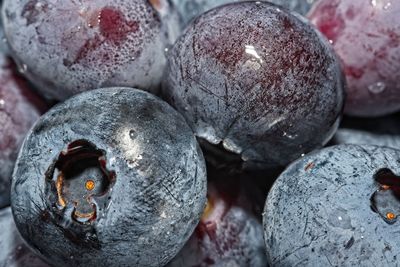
{"x": 111, "y": 177}
{"x": 331, "y": 208}
{"x": 229, "y": 232}
{"x": 13, "y": 250}
{"x": 76, "y": 46}
{"x": 257, "y": 80}
{"x": 366, "y": 37}
{"x": 19, "y": 109}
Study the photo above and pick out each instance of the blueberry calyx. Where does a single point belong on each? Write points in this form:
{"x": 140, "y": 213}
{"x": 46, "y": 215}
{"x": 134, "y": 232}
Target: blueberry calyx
{"x": 385, "y": 200}
{"x": 79, "y": 176}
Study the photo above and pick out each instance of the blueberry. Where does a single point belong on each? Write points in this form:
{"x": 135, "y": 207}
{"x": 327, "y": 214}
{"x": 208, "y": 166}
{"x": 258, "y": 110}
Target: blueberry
{"x": 71, "y": 46}
{"x": 366, "y": 36}
{"x": 111, "y": 177}
{"x": 19, "y": 109}
{"x": 257, "y": 81}
{"x": 229, "y": 232}
{"x": 13, "y": 251}
{"x": 336, "y": 207}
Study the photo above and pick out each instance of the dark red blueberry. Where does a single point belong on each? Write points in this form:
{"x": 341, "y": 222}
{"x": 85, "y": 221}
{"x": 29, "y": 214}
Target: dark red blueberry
{"x": 111, "y": 177}
{"x": 257, "y": 81}
{"x": 366, "y": 36}
{"x": 229, "y": 232}
{"x": 336, "y": 207}
{"x": 19, "y": 109}
{"x": 71, "y": 46}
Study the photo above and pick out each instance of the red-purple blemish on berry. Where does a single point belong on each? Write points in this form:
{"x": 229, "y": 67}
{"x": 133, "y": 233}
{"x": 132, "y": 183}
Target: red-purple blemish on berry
{"x": 353, "y": 72}
{"x": 114, "y": 29}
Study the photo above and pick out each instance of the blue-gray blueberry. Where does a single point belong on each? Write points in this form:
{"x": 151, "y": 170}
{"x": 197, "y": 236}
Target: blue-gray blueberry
{"x": 336, "y": 207}
{"x": 111, "y": 177}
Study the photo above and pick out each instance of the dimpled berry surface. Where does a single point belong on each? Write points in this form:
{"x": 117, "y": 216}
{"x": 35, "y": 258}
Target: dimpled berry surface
{"x": 366, "y": 36}
{"x": 148, "y": 208}
{"x": 258, "y": 80}
{"x": 76, "y": 46}
{"x": 319, "y": 213}
{"x": 19, "y": 109}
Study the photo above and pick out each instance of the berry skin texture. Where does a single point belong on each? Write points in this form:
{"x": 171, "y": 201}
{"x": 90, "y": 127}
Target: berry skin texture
{"x": 111, "y": 177}
{"x": 190, "y": 9}
{"x": 76, "y": 46}
{"x": 258, "y": 81}
{"x": 299, "y": 6}
{"x": 335, "y": 207}
{"x": 366, "y": 36}
{"x": 19, "y": 109}
{"x": 13, "y": 251}
{"x": 228, "y": 233}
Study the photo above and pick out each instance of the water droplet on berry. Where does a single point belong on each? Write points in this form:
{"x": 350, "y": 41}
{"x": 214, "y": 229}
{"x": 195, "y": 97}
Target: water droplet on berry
{"x": 340, "y": 218}
{"x": 2, "y": 103}
{"x": 132, "y": 134}
{"x": 23, "y": 68}
{"x": 387, "y": 6}
{"x": 377, "y": 88}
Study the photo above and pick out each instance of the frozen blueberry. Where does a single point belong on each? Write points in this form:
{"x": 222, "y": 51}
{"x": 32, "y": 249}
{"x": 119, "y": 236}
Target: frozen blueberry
{"x": 67, "y": 47}
{"x": 229, "y": 233}
{"x": 13, "y": 250}
{"x": 257, "y": 81}
{"x": 111, "y": 177}
{"x": 366, "y": 36}
{"x": 336, "y": 207}
{"x": 19, "y": 109}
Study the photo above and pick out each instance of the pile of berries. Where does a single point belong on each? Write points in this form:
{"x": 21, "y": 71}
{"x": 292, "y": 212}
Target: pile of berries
{"x": 191, "y": 133}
